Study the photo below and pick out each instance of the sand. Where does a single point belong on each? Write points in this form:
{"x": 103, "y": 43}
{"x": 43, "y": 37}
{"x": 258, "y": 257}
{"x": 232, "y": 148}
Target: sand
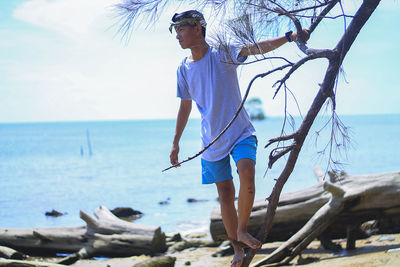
{"x": 377, "y": 250}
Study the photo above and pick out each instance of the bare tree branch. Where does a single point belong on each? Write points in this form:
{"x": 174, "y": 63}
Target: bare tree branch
{"x": 261, "y": 75}
{"x": 360, "y": 18}
{"x": 323, "y": 53}
{"x": 310, "y": 8}
{"x": 326, "y": 17}
{"x": 322, "y": 15}
{"x": 281, "y": 138}
{"x": 273, "y": 157}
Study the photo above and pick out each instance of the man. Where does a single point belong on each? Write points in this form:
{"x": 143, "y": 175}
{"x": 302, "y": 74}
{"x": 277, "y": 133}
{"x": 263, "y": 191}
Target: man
{"x": 208, "y": 76}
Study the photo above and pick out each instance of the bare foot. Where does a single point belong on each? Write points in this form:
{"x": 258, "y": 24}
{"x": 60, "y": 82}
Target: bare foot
{"x": 249, "y": 240}
{"x": 237, "y": 257}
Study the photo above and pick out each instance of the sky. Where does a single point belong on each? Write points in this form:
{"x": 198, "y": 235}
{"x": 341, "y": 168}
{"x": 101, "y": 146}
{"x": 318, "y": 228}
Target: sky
{"x": 62, "y": 60}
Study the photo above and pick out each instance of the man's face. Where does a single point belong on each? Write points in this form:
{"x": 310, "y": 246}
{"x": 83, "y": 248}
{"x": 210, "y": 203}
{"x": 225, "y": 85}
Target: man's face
{"x": 186, "y": 35}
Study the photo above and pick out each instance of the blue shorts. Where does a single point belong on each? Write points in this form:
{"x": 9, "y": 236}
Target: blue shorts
{"x": 219, "y": 171}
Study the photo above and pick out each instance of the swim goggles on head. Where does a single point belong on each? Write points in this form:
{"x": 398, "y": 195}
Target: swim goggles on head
{"x": 182, "y": 22}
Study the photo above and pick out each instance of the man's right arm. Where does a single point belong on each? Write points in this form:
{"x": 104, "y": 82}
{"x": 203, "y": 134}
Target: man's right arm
{"x": 268, "y": 45}
{"x": 181, "y": 121}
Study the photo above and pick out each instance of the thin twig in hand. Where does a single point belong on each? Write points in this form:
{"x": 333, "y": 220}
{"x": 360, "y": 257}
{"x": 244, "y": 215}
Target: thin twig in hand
{"x": 261, "y": 75}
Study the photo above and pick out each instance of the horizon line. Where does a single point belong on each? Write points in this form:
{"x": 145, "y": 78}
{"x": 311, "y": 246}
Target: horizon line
{"x": 166, "y": 119}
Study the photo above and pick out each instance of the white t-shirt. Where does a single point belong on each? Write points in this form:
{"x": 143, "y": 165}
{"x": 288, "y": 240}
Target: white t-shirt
{"x": 212, "y": 83}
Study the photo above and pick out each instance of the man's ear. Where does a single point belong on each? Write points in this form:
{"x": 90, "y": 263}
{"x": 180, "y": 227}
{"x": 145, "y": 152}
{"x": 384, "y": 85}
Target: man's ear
{"x": 198, "y": 29}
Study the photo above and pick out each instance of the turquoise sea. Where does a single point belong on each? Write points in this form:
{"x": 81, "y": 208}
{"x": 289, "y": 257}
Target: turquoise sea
{"x": 45, "y": 166}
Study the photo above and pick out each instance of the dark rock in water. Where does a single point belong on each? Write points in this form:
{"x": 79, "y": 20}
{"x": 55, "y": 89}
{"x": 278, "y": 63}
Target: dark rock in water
{"x": 54, "y": 213}
{"x": 123, "y": 212}
{"x": 164, "y": 202}
{"x": 193, "y": 200}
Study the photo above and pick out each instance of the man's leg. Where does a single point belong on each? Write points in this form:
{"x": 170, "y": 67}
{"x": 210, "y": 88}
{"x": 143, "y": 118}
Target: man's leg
{"x": 246, "y": 169}
{"x": 226, "y": 193}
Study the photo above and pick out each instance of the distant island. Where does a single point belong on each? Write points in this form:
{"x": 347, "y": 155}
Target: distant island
{"x": 254, "y": 108}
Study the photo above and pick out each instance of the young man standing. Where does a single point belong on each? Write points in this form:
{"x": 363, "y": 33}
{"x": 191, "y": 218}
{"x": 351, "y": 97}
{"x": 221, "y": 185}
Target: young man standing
{"x": 208, "y": 76}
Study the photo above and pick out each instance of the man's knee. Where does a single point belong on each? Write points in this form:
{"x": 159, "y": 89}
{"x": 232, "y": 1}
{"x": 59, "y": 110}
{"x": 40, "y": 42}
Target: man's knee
{"x": 246, "y": 168}
{"x": 226, "y": 190}
{"x": 247, "y": 174}
{"x": 246, "y": 164}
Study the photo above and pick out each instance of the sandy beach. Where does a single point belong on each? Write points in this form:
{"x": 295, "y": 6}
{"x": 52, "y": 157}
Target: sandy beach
{"x": 375, "y": 251}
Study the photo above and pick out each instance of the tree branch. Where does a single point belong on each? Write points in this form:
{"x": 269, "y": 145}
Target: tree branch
{"x": 322, "y": 15}
{"x": 281, "y": 138}
{"x": 322, "y": 53}
{"x": 309, "y": 8}
{"x": 360, "y": 18}
{"x": 326, "y": 17}
{"x": 273, "y": 158}
{"x": 261, "y": 75}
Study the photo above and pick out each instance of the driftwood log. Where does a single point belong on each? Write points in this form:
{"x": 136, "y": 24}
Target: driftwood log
{"x": 314, "y": 227}
{"x": 9, "y": 253}
{"x": 366, "y": 197}
{"x": 20, "y": 263}
{"x": 107, "y": 236}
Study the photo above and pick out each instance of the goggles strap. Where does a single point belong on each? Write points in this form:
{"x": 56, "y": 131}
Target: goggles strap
{"x": 189, "y": 21}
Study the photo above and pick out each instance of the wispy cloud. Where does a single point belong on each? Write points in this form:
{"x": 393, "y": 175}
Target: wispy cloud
{"x": 74, "y": 67}
{"x": 75, "y": 62}
{"x": 72, "y": 18}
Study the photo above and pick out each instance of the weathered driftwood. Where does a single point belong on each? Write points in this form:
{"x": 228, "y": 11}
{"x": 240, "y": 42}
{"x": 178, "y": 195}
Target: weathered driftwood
{"x": 107, "y": 236}
{"x": 340, "y": 201}
{"x": 20, "y": 263}
{"x": 314, "y": 227}
{"x": 373, "y": 197}
{"x": 9, "y": 253}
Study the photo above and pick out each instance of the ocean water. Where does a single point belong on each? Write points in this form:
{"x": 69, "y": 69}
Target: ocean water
{"x": 45, "y": 166}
